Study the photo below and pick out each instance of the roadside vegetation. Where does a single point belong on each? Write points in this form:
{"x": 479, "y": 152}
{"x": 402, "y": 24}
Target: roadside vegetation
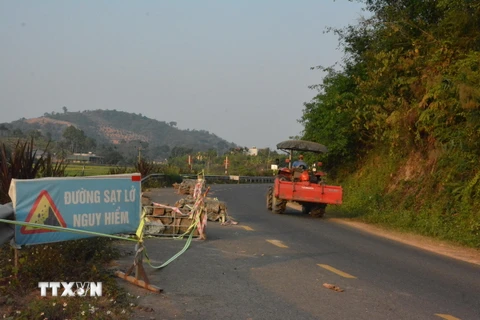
{"x": 401, "y": 117}
{"x": 86, "y": 259}
{"x": 177, "y": 160}
{"x": 79, "y": 170}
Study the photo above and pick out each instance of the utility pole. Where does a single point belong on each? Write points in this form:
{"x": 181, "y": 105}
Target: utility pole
{"x": 268, "y": 159}
{"x": 190, "y": 162}
{"x": 226, "y": 165}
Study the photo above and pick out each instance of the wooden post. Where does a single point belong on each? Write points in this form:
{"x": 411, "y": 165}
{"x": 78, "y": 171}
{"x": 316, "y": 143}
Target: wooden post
{"x": 137, "y": 282}
{"x": 138, "y": 265}
{"x": 139, "y": 272}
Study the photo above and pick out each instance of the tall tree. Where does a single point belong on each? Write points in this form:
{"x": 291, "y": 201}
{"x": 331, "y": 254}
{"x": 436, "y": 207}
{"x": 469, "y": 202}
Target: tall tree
{"x": 77, "y": 141}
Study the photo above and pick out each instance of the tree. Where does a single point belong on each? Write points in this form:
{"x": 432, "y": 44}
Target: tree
{"x": 77, "y": 141}
{"x": 328, "y": 120}
{"x": 89, "y": 144}
{"x": 180, "y": 151}
{"x": 34, "y": 134}
{"x": 3, "y": 130}
{"x": 111, "y": 155}
{"x": 17, "y": 133}
{"x": 409, "y": 76}
{"x": 65, "y": 110}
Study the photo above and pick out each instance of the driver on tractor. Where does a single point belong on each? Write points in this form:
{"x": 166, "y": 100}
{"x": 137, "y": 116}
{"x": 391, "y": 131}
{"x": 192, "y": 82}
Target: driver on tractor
{"x": 300, "y": 163}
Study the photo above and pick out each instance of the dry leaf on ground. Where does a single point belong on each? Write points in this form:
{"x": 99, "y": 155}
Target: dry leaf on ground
{"x": 332, "y": 287}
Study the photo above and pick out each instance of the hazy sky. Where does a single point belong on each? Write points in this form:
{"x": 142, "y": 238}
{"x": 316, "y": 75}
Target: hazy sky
{"x": 237, "y": 68}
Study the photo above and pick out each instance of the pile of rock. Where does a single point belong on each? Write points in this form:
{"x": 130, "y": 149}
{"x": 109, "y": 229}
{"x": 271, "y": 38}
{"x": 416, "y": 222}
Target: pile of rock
{"x": 216, "y": 209}
{"x": 167, "y": 221}
{"x": 186, "y": 187}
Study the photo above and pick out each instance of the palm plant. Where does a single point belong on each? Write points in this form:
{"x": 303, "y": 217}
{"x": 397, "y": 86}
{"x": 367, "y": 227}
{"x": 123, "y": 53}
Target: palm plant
{"x": 19, "y": 162}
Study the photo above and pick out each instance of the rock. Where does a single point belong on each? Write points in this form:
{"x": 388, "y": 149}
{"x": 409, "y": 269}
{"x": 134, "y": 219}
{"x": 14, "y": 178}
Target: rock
{"x": 153, "y": 226}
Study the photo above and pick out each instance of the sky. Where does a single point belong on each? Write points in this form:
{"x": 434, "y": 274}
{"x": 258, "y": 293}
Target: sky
{"x": 237, "y": 68}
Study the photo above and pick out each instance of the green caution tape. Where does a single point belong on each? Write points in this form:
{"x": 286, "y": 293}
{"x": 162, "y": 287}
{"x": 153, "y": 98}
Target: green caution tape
{"x": 138, "y": 239}
{"x": 178, "y": 254}
{"x": 62, "y": 229}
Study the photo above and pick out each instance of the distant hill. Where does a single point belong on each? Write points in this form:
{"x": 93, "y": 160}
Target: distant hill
{"x": 118, "y": 127}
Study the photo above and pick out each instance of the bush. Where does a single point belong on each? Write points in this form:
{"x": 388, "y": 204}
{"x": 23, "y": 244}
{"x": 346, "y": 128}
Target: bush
{"x": 70, "y": 261}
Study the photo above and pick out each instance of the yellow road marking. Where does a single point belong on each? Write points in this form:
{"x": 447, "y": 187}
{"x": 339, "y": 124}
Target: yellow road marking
{"x": 277, "y": 243}
{"x": 340, "y": 273}
{"x": 446, "y": 316}
{"x": 247, "y": 228}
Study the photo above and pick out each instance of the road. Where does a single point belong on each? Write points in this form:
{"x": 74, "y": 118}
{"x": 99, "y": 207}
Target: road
{"x": 275, "y": 266}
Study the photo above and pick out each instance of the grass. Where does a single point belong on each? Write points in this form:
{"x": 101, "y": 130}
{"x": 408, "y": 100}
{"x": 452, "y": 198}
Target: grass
{"x": 79, "y": 260}
{"x": 84, "y": 260}
{"x": 374, "y": 194}
{"x": 79, "y": 170}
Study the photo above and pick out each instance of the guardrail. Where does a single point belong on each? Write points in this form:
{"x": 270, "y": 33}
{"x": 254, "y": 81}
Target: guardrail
{"x": 218, "y": 178}
{"x": 253, "y": 179}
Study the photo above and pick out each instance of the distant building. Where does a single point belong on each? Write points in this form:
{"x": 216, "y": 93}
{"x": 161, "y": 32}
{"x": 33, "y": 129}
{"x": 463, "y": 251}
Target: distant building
{"x": 84, "y": 158}
{"x": 253, "y": 151}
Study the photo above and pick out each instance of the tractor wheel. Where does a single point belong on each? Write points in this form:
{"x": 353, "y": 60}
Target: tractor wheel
{"x": 278, "y": 205}
{"x": 306, "y": 208}
{"x": 318, "y": 211}
{"x": 269, "y": 198}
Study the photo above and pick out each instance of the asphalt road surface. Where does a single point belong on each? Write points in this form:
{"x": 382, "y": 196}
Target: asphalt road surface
{"x": 273, "y": 266}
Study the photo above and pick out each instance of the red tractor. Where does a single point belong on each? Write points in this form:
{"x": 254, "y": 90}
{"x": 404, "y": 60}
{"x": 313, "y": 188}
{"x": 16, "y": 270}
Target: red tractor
{"x": 302, "y": 185}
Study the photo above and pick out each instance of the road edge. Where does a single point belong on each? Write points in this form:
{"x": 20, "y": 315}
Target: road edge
{"x": 444, "y": 248}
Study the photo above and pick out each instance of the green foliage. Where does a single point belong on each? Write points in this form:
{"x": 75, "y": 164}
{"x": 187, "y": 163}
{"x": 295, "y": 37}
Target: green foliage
{"x": 379, "y": 194}
{"x": 408, "y": 89}
{"x": 240, "y": 162}
{"x": 85, "y": 259}
{"x": 54, "y": 169}
{"x": 111, "y": 155}
{"x": 77, "y": 141}
{"x": 120, "y": 170}
{"x": 180, "y": 151}
{"x": 79, "y": 170}
{"x": 20, "y": 162}
{"x": 129, "y": 129}
{"x": 117, "y": 136}
{"x": 326, "y": 121}
{"x": 410, "y": 76}
{"x": 167, "y": 174}
{"x": 144, "y": 167}
{"x": 74, "y": 260}
{"x": 364, "y": 190}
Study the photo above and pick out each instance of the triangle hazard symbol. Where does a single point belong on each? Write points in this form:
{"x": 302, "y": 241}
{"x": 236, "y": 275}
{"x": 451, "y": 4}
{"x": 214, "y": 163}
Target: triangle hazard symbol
{"x": 44, "y": 211}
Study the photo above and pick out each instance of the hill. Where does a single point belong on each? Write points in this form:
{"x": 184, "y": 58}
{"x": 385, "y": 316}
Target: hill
{"x": 117, "y": 128}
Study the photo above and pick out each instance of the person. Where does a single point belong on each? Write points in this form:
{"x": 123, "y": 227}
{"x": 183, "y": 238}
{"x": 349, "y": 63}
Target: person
{"x": 300, "y": 163}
